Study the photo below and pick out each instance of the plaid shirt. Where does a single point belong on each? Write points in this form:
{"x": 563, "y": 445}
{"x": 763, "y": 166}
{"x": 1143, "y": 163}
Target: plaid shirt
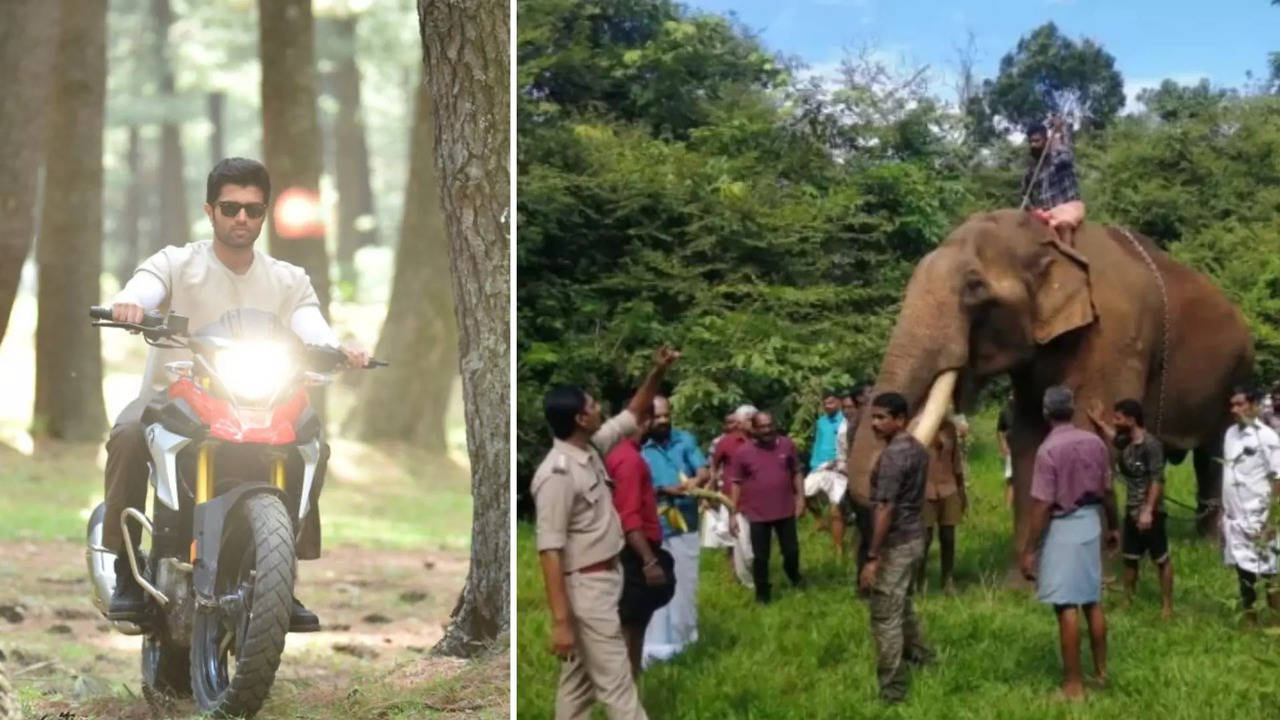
{"x": 1057, "y": 183}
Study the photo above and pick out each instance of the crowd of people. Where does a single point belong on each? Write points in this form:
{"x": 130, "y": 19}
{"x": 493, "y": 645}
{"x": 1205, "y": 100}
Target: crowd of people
{"x": 626, "y": 506}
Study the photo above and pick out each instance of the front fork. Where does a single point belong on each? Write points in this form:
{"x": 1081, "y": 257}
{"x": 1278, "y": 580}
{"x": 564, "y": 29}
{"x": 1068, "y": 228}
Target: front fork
{"x": 204, "y": 478}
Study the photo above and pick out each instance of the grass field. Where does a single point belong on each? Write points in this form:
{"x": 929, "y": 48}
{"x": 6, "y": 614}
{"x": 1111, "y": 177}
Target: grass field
{"x": 810, "y": 655}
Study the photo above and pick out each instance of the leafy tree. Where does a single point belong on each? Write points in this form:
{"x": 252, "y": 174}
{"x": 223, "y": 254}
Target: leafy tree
{"x": 1049, "y": 73}
{"x": 770, "y": 242}
{"x": 1171, "y": 101}
{"x": 640, "y": 60}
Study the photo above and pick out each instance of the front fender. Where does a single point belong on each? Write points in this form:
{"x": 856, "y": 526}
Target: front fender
{"x": 208, "y": 524}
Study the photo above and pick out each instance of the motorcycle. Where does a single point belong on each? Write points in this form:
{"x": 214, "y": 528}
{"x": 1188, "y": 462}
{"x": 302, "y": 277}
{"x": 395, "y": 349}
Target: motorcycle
{"x": 235, "y": 450}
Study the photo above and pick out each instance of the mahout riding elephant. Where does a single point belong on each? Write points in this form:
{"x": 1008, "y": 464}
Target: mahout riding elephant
{"x": 1111, "y": 318}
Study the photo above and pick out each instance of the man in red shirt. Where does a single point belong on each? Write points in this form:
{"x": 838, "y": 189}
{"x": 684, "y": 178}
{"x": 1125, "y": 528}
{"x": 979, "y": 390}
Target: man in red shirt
{"x": 648, "y": 576}
{"x": 769, "y": 492}
{"x": 738, "y": 554}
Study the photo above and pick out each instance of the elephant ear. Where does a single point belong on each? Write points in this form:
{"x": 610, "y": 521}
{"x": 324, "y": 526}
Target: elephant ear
{"x": 1062, "y": 301}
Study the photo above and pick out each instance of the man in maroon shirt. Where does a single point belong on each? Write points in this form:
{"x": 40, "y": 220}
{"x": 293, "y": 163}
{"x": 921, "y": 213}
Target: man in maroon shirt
{"x": 1072, "y": 477}
{"x": 648, "y": 577}
{"x": 729, "y": 443}
{"x": 768, "y": 490}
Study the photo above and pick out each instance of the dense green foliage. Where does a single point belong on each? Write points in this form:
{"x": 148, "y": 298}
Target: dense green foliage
{"x": 810, "y": 654}
{"x": 679, "y": 185}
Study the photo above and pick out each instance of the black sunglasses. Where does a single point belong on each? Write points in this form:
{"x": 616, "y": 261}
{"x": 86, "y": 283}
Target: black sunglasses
{"x": 230, "y": 209}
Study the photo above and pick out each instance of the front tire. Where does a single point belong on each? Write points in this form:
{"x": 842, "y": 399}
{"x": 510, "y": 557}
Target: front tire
{"x": 235, "y": 648}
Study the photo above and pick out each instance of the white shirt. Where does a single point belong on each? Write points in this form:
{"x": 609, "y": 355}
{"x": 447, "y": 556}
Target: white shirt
{"x": 192, "y": 281}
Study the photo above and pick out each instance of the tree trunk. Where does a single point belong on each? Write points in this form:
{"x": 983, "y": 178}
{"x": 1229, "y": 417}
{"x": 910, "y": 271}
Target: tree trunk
{"x": 407, "y": 401}
{"x": 465, "y": 49}
{"x": 217, "y": 151}
{"x": 127, "y": 231}
{"x": 290, "y": 127}
{"x": 355, "y": 194}
{"x": 28, "y": 36}
{"x": 68, "y": 356}
{"x": 175, "y": 228}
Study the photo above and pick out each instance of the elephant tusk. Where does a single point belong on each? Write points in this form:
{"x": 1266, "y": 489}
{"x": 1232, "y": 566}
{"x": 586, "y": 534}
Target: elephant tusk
{"x": 930, "y": 417}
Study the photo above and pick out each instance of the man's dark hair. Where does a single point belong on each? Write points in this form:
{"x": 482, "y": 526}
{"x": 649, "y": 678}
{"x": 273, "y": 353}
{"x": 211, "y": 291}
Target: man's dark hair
{"x": 1133, "y": 409}
{"x": 1034, "y": 128}
{"x": 237, "y": 171}
{"x": 893, "y": 402}
{"x": 1252, "y": 394}
{"x": 830, "y": 393}
{"x": 561, "y": 408}
{"x": 858, "y": 389}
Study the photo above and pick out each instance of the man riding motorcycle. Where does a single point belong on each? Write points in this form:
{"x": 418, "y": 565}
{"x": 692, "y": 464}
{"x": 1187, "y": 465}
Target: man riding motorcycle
{"x": 203, "y": 280}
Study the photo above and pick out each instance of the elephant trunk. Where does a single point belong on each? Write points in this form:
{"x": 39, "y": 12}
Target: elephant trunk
{"x": 928, "y": 347}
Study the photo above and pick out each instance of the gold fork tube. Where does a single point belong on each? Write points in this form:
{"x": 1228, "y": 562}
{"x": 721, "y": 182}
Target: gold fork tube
{"x": 277, "y": 473}
{"x": 204, "y": 474}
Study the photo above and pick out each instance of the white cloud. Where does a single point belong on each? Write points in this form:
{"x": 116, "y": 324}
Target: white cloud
{"x": 1135, "y": 86}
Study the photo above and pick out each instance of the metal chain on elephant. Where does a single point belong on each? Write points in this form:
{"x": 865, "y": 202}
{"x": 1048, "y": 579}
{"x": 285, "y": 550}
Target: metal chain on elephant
{"x": 1167, "y": 321}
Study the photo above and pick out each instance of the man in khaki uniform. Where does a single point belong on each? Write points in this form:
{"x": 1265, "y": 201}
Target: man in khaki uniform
{"x": 945, "y": 502}
{"x": 579, "y": 537}
{"x": 201, "y": 281}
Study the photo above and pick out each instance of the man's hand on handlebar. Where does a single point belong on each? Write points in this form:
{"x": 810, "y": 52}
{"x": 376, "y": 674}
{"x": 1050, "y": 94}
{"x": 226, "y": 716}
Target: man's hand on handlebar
{"x": 357, "y": 356}
{"x": 126, "y": 312}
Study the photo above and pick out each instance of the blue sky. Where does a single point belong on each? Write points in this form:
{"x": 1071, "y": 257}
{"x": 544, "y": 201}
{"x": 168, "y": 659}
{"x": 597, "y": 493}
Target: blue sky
{"x": 1150, "y": 40}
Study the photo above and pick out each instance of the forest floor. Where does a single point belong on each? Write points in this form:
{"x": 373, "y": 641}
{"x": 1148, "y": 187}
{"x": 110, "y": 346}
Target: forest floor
{"x": 396, "y": 523}
{"x": 809, "y": 654}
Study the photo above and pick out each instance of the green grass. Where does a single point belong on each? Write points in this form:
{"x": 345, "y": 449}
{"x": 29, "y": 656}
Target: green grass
{"x": 810, "y": 655}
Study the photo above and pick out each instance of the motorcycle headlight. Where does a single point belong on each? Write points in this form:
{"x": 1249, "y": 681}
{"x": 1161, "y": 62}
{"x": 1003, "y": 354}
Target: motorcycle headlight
{"x": 255, "y": 371}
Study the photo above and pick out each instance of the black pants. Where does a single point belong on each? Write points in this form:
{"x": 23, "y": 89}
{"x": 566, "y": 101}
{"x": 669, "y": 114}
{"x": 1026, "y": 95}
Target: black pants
{"x": 864, "y": 519}
{"x": 787, "y": 541}
{"x": 1248, "y": 593}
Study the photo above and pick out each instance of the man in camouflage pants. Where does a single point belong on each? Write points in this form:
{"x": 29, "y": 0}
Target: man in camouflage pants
{"x": 897, "y": 548}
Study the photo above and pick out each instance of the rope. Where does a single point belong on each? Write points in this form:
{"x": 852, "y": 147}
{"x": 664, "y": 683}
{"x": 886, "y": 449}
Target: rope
{"x": 1166, "y": 321}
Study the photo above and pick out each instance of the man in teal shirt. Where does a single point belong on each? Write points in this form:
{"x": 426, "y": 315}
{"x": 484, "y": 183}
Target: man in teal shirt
{"x": 823, "y": 477}
{"x": 824, "y": 434}
{"x": 676, "y": 464}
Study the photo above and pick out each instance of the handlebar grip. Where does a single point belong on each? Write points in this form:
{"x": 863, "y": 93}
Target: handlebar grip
{"x": 99, "y": 312}
{"x": 376, "y": 363}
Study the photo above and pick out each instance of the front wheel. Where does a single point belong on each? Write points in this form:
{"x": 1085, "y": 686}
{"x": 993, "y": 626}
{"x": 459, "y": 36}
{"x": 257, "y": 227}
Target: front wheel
{"x": 236, "y": 646}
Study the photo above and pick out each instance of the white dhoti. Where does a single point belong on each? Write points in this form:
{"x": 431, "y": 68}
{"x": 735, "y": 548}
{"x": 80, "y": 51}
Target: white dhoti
{"x": 718, "y": 533}
{"x": 1244, "y": 545}
{"x": 715, "y": 528}
{"x": 826, "y": 480}
{"x": 675, "y": 625}
{"x": 743, "y": 554}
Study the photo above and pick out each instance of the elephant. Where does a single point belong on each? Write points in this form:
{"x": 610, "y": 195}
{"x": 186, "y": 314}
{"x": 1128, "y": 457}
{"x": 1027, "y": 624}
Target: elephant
{"x": 1112, "y": 317}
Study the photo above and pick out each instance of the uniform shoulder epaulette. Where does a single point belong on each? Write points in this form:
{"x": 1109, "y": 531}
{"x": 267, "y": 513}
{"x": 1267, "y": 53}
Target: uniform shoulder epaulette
{"x": 561, "y": 465}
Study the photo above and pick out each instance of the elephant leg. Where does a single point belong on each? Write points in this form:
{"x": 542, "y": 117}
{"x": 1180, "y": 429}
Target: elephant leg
{"x": 1023, "y": 443}
{"x": 1208, "y": 487}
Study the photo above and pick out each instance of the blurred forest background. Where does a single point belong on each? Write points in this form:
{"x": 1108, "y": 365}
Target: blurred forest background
{"x": 679, "y": 182}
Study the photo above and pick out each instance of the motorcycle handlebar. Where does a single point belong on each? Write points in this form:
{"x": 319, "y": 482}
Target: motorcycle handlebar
{"x": 98, "y": 312}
